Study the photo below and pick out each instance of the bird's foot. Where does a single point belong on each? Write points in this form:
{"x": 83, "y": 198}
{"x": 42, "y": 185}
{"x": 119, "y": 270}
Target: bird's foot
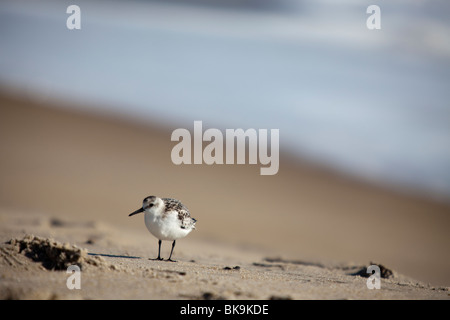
{"x": 171, "y": 260}
{"x": 159, "y": 258}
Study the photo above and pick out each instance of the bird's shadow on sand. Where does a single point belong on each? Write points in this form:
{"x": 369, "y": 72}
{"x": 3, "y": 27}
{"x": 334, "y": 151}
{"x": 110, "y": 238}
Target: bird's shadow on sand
{"x": 113, "y": 255}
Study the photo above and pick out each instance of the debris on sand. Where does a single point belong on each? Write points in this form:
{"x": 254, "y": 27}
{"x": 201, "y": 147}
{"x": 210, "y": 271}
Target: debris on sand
{"x": 211, "y": 296}
{"x": 274, "y": 297}
{"x": 54, "y": 255}
{"x": 232, "y": 268}
{"x": 385, "y": 273}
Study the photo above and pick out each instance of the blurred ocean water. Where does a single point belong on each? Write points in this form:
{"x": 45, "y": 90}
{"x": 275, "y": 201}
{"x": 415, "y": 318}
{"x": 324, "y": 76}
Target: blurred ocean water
{"x": 371, "y": 103}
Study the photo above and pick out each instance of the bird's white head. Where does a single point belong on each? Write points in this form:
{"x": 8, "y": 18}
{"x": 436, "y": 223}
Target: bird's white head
{"x": 148, "y": 204}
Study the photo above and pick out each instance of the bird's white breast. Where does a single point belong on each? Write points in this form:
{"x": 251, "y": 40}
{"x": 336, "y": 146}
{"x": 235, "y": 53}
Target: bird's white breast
{"x": 165, "y": 227}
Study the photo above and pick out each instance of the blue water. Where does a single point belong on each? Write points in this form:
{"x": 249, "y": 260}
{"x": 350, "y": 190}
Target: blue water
{"x": 372, "y": 103}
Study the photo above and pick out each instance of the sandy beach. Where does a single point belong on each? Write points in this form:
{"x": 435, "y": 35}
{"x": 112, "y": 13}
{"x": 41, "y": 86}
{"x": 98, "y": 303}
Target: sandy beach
{"x": 304, "y": 233}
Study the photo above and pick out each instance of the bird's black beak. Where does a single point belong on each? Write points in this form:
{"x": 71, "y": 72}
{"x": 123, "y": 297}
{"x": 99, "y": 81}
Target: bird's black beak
{"x": 136, "y": 212}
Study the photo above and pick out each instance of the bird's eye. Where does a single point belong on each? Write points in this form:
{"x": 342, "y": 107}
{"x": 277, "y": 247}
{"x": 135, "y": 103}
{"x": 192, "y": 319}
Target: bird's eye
{"x": 150, "y": 205}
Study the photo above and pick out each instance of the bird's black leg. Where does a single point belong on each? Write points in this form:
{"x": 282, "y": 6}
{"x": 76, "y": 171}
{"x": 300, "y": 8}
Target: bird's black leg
{"x": 159, "y": 251}
{"x": 171, "y": 251}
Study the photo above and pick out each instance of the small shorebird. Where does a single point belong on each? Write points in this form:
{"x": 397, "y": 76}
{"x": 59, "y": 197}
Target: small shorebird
{"x": 166, "y": 219}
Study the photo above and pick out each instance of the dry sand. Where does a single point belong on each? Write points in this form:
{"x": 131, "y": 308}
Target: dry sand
{"x": 301, "y": 234}
{"x": 115, "y": 265}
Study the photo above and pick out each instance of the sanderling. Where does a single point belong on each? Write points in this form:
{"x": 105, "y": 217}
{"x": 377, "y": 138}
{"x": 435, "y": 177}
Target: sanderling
{"x": 166, "y": 219}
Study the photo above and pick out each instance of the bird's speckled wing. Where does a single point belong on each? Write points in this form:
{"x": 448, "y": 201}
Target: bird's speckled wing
{"x": 186, "y": 221}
